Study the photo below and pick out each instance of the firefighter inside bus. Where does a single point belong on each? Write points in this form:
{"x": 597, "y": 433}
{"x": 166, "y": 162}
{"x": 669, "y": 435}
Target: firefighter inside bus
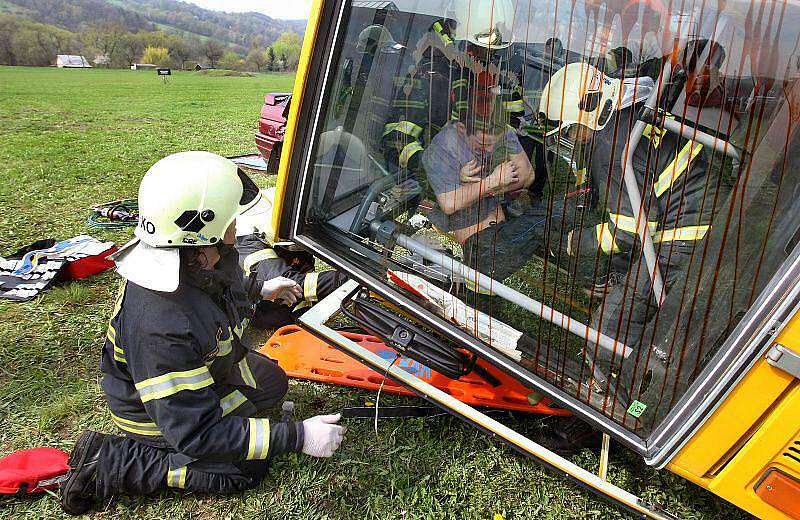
{"x": 470, "y": 44}
{"x": 673, "y": 176}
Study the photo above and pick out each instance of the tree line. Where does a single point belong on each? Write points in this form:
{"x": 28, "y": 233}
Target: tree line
{"x": 25, "y": 42}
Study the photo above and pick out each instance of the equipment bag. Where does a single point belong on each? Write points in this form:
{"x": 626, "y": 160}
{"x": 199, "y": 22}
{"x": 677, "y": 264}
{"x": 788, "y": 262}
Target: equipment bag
{"x": 32, "y": 471}
{"x": 32, "y": 269}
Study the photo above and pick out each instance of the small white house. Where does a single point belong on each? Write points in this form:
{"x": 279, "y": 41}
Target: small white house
{"x": 72, "y": 61}
{"x": 143, "y": 66}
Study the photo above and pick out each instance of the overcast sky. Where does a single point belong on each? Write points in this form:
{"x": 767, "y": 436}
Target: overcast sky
{"x": 289, "y": 10}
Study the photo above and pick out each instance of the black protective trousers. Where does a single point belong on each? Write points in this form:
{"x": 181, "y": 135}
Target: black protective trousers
{"x": 140, "y": 465}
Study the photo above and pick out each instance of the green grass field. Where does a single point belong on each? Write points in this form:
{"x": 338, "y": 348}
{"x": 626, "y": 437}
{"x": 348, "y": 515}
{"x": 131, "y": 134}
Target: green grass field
{"x": 71, "y": 138}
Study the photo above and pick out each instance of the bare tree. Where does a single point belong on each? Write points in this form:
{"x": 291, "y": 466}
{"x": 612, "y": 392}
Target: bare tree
{"x": 212, "y": 50}
{"x": 130, "y": 48}
{"x": 180, "y": 51}
{"x": 105, "y": 38}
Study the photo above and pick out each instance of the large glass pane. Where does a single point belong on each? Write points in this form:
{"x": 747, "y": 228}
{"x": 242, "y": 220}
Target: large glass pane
{"x": 598, "y": 189}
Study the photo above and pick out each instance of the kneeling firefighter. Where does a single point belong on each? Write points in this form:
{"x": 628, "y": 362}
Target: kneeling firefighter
{"x": 281, "y": 275}
{"x": 177, "y": 378}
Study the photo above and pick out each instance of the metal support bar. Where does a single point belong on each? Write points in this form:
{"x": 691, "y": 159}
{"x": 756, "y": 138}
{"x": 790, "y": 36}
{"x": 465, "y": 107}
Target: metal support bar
{"x": 615, "y": 347}
{"x": 689, "y": 132}
{"x": 784, "y": 359}
{"x": 316, "y": 319}
{"x": 632, "y": 187}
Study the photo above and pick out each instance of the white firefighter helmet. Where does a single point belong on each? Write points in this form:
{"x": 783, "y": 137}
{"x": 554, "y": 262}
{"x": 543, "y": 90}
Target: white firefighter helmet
{"x": 485, "y": 23}
{"x": 258, "y": 220}
{"x": 580, "y": 94}
{"x": 187, "y": 199}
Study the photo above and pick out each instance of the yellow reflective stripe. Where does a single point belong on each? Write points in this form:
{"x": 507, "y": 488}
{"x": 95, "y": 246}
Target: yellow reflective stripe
{"x": 437, "y": 26}
{"x": 459, "y": 83}
{"x": 247, "y": 375}
{"x": 404, "y": 127}
{"x": 111, "y": 336}
{"x": 173, "y": 382}
{"x": 139, "y": 428}
{"x": 687, "y": 233}
{"x": 628, "y": 224}
{"x": 676, "y": 168}
{"x": 310, "y": 287}
{"x": 258, "y": 256}
{"x": 408, "y": 151}
{"x": 605, "y": 239}
{"x": 514, "y": 106}
{"x": 176, "y": 478}
{"x": 472, "y": 286}
{"x": 258, "y": 445}
{"x": 407, "y": 103}
{"x": 231, "y": 402}
{"x": 654, "y": 134}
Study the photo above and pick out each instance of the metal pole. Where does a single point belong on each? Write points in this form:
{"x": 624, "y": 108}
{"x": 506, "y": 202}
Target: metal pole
{"x": 316, "y": 319}
{"x": 719, "y": 145}
{"x": 615, "y": 347}
{"x": 632, "y": 187}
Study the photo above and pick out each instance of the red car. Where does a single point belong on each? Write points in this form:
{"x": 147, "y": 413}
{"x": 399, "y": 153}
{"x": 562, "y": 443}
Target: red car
{"x": 271, "y": 127}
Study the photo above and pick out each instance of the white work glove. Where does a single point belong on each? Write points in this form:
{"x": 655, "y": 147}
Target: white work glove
{"x": 282, "y": 290}
{"x": 322, "y": 436}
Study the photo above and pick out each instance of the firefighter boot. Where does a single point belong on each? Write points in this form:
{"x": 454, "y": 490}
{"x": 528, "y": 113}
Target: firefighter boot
{"x": 78, "y": 489}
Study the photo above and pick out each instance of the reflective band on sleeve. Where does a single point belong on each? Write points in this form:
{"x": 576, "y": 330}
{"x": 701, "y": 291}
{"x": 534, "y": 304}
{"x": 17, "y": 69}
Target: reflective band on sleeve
{"x": 407, "y": 103}
{"x": 225, "y": 346}
{"x": 247, "y": 375}
{"x": 310, "y": 287}
{"x": 111, "y": 336}
{"x": 174, "y": 382}
{"x": 140, "y": 428}
{"x": 231, "y": 402}
{"x": 408, "y": 151}
{"x": 459, "y": 83}
{"x": 404, "y": 127}
{"x": 258, "y": 256}
{"x": 176, "y": 478}
{"x": 258, "y": 446}
{"x": 514, "y": 106}
{"x": 677, "y": 167}
{"x": 687, "y": 234}
{"x": 628, "y": 224}
{"x": 605, "y": 239}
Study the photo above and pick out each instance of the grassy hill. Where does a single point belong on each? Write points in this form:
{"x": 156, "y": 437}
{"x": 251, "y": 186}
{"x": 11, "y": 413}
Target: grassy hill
{"x": 173, "y": 16}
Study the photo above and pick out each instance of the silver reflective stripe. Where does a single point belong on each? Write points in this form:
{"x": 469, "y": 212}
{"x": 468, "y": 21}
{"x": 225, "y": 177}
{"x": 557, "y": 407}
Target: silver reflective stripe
{"x": 310, "y": 287}
{"x": 231, "y": 402}
{"x": 258, "y": 256}
{"x": 174, "y": 382}
{"x": 176, "y": 478}
{"x": 247, "y": 375}
{"x": 140, "y": 428}
{"x": 258, "y": 445}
